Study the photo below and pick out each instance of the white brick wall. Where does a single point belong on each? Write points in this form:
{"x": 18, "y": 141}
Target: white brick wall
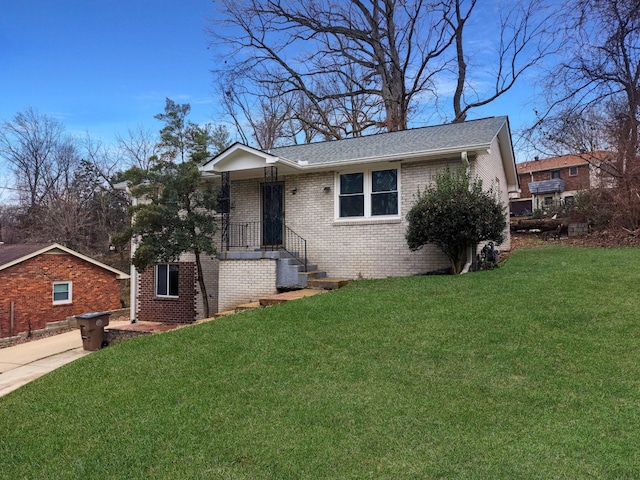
{"x": 245, "y": 281}
{"x": 488, "y": 167}
{"x": 354, "y": 249}
{"x": 361, "y": 248}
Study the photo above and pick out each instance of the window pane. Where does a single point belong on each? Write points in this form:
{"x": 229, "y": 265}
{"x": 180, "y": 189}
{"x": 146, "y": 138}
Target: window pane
{"x": 60, "y": 292}
{"x": 384, "y": 204}
{"x": 384, "y": 181}
{"x": 351, "y": 183}
{"x": 173, "y": 280}
{"x": 161, "y": 279}
{"x": 352, "y": 206}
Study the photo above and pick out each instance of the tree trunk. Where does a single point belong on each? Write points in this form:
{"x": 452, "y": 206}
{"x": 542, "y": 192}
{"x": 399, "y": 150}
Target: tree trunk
{"x": 203, "y": 288}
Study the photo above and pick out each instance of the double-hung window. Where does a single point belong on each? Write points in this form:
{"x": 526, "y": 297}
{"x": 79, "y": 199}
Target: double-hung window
{"x": 167, "y": 280}
{"x": 371, "y": 193}
{"x": 62, "y": 293}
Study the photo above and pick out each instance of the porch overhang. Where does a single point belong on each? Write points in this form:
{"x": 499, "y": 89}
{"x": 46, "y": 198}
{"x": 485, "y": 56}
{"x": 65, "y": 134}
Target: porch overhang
{"x": 246, "y": 162}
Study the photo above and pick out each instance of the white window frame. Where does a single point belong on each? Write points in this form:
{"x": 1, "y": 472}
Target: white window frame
{"x": 69, "y": 298}
{"x": 573, "y": 169}
{"x": 367, "y": 192}
{"x": 155, "y": 280}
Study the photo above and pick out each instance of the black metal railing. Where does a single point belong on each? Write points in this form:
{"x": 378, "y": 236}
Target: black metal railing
{"x": 253, "y": 235}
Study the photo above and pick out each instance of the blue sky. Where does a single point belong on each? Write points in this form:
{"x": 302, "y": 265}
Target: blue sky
{"x": 105, "y": 66}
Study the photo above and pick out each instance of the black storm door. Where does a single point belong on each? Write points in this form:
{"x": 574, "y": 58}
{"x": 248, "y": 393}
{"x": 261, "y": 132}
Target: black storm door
{"x": 272, "y": 214}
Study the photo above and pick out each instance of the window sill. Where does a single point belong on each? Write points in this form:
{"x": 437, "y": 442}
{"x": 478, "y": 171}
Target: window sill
{"x": 366, "y": 221}
{"x": 171, "y": 299}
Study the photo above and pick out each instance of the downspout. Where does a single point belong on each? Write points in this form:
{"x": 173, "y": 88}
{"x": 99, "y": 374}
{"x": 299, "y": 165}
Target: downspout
{"x": 467, "y": 266}
{"x": 133, "y": 284}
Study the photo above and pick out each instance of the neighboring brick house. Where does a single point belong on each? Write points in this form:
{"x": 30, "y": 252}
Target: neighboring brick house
{"x": 339, "y": 205}
{"x": 551, "y": 182}
{"x": 44, "y": 283}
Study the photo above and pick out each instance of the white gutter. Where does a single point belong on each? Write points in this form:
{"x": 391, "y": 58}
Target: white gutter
{"x": 133, "y": 275}
{"x": 303, "y": 165}
{"x": 467, "y": 266}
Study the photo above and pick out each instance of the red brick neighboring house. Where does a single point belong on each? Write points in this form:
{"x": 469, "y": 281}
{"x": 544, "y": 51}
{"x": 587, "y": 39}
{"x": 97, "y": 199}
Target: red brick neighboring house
{"x": 551, "y": 182}
{"x": 44, "y": 283}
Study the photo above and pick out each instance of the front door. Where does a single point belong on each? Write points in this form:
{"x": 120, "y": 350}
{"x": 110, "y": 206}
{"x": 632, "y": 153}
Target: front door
{"x": 272, "y": 214}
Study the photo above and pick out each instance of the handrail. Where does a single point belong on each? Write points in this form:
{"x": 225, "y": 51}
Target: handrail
{"x": 251, "y": 235}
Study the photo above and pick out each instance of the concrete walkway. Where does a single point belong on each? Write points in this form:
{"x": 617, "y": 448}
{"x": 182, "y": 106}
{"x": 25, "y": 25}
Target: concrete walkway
{"x": 27, "y": 361}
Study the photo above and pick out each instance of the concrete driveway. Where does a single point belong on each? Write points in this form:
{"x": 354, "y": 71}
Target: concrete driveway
{"x": 23, "y": 363}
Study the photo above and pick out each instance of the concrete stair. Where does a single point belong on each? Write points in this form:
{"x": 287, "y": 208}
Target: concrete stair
{"x": 287, "y": 296}
{"x": 291, "y": 276}
{"x": 326, "y": 283}
{"x": 247, "y": 306}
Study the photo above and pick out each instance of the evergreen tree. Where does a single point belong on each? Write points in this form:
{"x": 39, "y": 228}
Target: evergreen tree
{"x": 175, "y": 214}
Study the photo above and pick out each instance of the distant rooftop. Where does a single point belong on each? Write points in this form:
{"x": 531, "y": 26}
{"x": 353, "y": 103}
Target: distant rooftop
{"x": 552, "y": 163}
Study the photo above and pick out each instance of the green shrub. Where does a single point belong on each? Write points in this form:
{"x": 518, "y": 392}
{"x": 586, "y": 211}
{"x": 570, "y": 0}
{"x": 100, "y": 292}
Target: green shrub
{"x": 455, "y": 214}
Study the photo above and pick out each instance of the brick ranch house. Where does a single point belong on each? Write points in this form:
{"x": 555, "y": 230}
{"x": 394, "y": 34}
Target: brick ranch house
{"x": 333, "y": 208}
{"x": 43, "y": 283}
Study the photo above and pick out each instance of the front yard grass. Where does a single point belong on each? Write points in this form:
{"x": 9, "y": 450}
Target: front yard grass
{"x": 529, "y": 371}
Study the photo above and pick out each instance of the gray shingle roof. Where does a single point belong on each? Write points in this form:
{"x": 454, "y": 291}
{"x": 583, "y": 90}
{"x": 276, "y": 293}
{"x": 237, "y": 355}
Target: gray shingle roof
{"x": 426, "y": 139}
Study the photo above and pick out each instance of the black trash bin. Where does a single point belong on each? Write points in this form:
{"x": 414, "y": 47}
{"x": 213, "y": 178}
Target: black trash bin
{"x": 91, "y": 327}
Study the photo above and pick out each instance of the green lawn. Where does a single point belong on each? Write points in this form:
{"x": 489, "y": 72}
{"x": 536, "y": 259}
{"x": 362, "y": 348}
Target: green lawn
{"x": 529, "y": 371}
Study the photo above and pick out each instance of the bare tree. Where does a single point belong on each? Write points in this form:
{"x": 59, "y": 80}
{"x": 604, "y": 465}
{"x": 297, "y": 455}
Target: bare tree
{"x": 42, "y": 160}
{"x": 34, "y": 148}
{"x": 138, "y": 148}
{"x": 599, "y": 78}
{"x": 265, "y": 117}
{"x": 388, "y": 50}
{"x": 526, "y": 34}
{"x": 346, "y": 67}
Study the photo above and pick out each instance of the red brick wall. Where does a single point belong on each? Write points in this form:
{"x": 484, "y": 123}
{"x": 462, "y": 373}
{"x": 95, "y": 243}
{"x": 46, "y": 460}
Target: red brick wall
{"x": 575, "y": 182}
{"x": 29, "y": 285}
{"x": 168, "y": 310}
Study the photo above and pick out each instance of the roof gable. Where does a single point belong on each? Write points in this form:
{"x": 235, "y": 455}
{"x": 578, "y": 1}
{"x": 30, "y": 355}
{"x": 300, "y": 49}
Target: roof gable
{"x": 11, "y": 255}
{"x": 238, "y": 157}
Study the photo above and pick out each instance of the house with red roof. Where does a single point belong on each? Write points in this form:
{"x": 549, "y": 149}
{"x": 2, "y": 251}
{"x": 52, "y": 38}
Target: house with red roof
{"x": 551, "y": 182}
{"x": 44, "y": 283}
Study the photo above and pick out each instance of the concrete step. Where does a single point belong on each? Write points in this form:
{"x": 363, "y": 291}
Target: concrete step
{"x": 287, "y": 296}
{"x": 224, "y": 314}
{"x": 313, "y": 274}
{"x": 247, "y": 306}
{"x": 328, "y": 283}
